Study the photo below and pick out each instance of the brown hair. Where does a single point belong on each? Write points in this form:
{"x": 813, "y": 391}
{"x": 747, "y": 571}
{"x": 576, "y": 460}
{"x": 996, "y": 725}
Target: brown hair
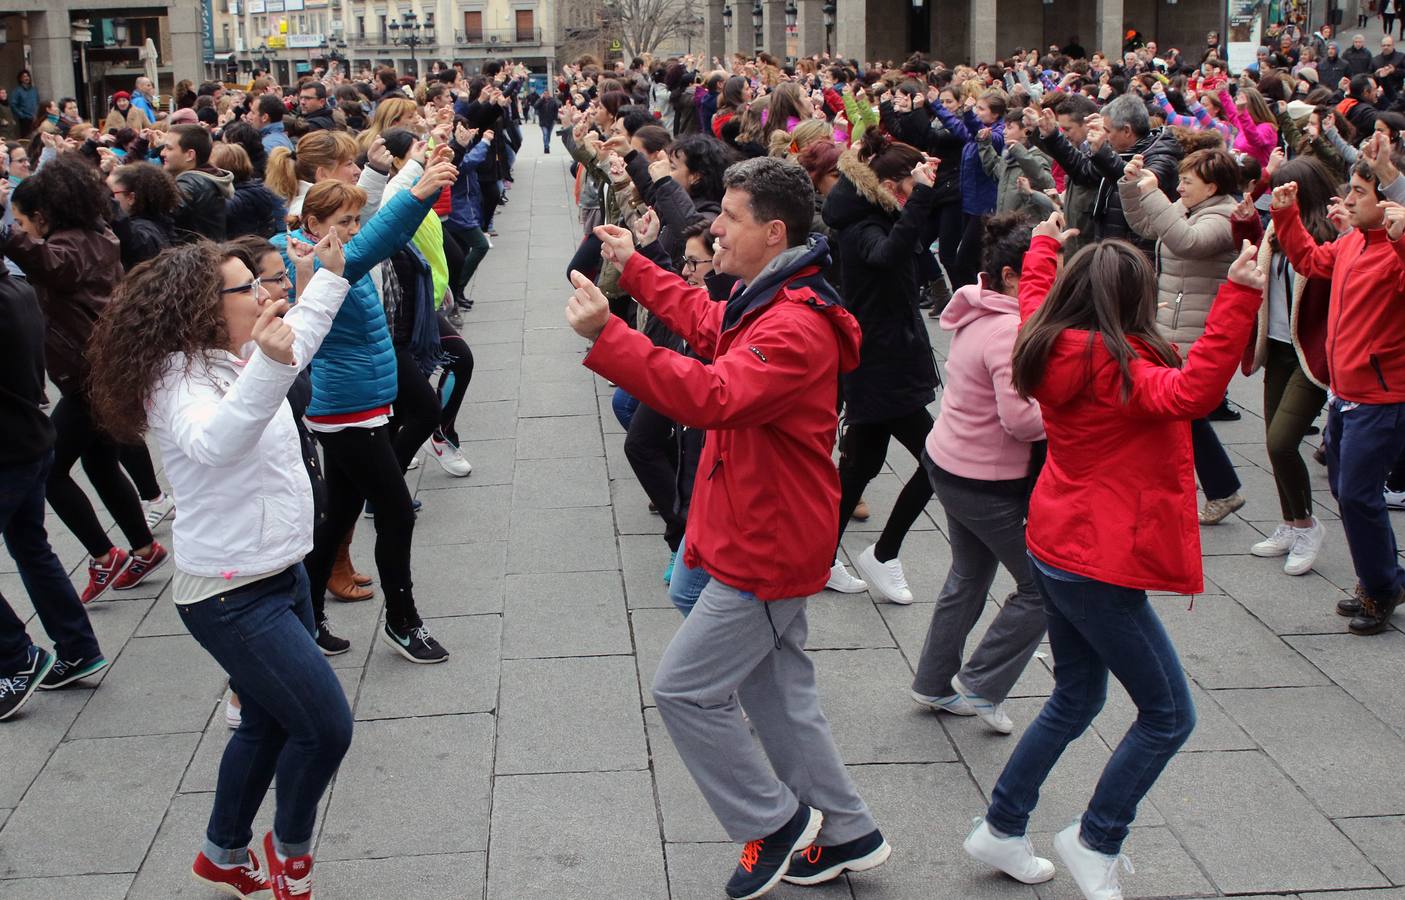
{"x": 889, "y": 160}
{"x": 168, "y": 304}
{"x": 315, "y": 150}
{"x": 1108, "y": 290}
{"x": 234, "y": 159}
{"x": 1215, "y": 167}
{"x": 327, "y": 197}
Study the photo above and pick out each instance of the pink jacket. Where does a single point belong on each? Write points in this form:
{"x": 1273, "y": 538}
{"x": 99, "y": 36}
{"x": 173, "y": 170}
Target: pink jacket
{"x": 985, "y": 428}
{"x": 1255, "y": 138}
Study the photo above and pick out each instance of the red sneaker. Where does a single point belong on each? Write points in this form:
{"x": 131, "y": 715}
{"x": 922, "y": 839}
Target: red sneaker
{"x": 290, "y": 877}
{"x": 244, "y": 881}
{"x": 139, "y": 567}
{"x": 101, "y": 577}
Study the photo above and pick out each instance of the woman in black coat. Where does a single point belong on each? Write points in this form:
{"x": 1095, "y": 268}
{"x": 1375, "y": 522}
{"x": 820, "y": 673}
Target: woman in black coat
{"x": 882, "y": 215}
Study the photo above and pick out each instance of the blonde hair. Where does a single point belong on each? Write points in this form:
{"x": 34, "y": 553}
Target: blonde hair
{"x": 785, "y": 145}
{"x": 315, "y": 150}
{"x": 388, "y": 112}
{"x": 234, "y": 159}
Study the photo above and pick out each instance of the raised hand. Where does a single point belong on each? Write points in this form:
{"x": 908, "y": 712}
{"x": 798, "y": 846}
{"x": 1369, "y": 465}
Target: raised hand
{"x": 1245, "y": 269}
{"x": 273, "y": 335}
{"x": 647, "y": 227}
{"x": 660, "y": 168}
{"x": 1245, "y": 210}
{"x": 378, "y": 156}
{"x": 330, "y": 253}
{"x": 464, "y": 135}
{"x": 1133, "y": 170}
{"x": 616, "y": 244}
{"x": 925, "y": 173}
{"x": 1285, "y": 195}
{"x": 1048, "y": 122}
{"x": 587, "y": 310}
{"x": 439, "y": 174}
{"x": 1054, "y": 227}
{"x": 1394, "y": 219}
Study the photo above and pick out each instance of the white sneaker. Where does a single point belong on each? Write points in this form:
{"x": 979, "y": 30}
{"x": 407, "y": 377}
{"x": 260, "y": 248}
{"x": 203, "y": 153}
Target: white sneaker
{"x": 1095, "y": 873}
{"x": 1276, "y": 544}
{"x": 993, "y": 714}
{"x": 885, "y": 578}
{"x": 1394, "y": 499}
{"x": 1306, "y": 544}
{"x": 840, "y": 580}
{"x": 232, "y": 715}
{"x": 953, "y": 703}
{"x": 450, "y": 457}
{"x": 157, "y": 509}
{"x": 1012, "y": 855}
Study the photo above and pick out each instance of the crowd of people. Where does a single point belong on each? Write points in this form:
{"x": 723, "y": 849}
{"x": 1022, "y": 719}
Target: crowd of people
{"x": 247, "y": 277}
{"x": 1109, "y": 240}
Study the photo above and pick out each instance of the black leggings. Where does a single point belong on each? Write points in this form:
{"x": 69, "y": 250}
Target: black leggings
{"x": 454, "y": 380}
{"x": 136, "y": 459}
{"x": 491, "y": 196}
{"x": 968, "y": 254}
{"x": 360, "y": 465}
{"x": 652, "y": 451}
{"x": 77, "y": 438}
{"x": 416, "y": 410}
{"x": 950, "y": 224}
{"x": 453, "y": 256}
{"x": 862, "y": 453}
{"x": 475, "y": 246}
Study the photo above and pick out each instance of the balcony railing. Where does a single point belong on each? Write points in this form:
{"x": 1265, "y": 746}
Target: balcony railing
{"x": 498, "y": 37}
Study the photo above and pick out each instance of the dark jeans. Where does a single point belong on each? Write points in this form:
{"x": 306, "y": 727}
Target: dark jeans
{"x": 78, "y": 438}
{"x": 475, "y": 246}
{"x": 294, "y": 719}
{"x": 1212, "y": 466}
{"x": 1291, "y": 403}
{"x": 44, "y": 578}
{"x": 862, "y": 453}
{"x": 454, "y": 380}
{"x": 985, "y": 523}
{"x": 546, "y": 137}
{"x": 652, "y": 451}
{"x": 1095, "y": 628}
{"x": 360, "y": 464}
{"x": 1363, "y": 442}
{"x": 1395, "y": 481}
{"x": 416, "y": 410}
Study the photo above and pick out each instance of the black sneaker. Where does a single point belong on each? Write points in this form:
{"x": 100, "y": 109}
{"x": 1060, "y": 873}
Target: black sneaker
{"x": 816, "y": 864}
{"x": 1350, "y": 607}
{"x": 67, "y": 671}
{"x": 766, "y": 860}
{"x": 331, "y": 644}
{"x": 1224, "y": 413}
{"x": 17, "y": 687}
{"x": 415, "y": 643}
{"x": 1375, "y": 614}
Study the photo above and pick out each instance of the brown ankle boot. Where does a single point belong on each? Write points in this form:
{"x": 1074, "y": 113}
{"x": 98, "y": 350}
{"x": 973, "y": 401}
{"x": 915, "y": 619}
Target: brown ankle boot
{"x": 343, "y": 584}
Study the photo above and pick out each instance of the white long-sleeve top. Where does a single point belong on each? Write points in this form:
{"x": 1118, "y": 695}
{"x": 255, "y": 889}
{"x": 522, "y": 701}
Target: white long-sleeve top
{"x": 231, "y": 449}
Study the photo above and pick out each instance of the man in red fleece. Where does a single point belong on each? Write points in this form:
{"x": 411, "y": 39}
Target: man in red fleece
{"x": 766, "y": 496}
{"x": 1366, "y": 364}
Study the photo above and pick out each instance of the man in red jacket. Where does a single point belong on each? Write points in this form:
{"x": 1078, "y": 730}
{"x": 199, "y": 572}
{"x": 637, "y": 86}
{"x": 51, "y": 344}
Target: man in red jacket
{"x": 767, "y": 494}
{"x": 1366, "y": 362}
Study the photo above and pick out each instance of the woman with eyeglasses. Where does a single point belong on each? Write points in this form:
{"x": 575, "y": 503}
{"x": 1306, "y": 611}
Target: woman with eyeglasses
{"x": 193, "y": 349}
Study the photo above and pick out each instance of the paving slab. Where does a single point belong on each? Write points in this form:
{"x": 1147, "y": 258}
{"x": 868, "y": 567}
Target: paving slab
{"x": 1369, "y": 669}
{"x": 550, "y": 839}
{"x": 864, "y": 694}
{"x": 1303, "y": 605}
{"x": 562, "y": 540}
{"x": 467, "y": 682}
{"x": 577, "y": 714}
{"x": 1214, "y": 728}
{"x": 1381, "y": 839}
{"x": 568, "y": 614}
{"x": 438, "y": 875}
{"x": 170, "y": 679}
{"x": 559, "y": 436}
{"x": 134, "y": 776}
{"x": 487, "y": 421}
{"x": 644, "y": 559}
{"x": 465, "y": 515}
{"x": 653, "y": 629}
{"x": 1251, "y": 828}
{"x": 89, "y": 887}
{"x": 555, "y": 398}
{"x": 442, "y": 763}
{"x": 492, "y": 462}
{"x": 33, "y": 734}
{"x": 686, "y": 816}
{"x": 560, "y": 483}
{"x": 1223, "y": 646}
{"x": 461, "y": 579}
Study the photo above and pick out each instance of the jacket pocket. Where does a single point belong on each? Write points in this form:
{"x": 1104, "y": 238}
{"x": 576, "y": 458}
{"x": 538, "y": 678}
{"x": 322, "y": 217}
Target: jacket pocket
{"x": 1380, "y": 373}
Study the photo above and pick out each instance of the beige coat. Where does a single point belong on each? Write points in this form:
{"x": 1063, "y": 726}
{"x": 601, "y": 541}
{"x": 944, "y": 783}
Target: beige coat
{"x": 1194, "y": 250}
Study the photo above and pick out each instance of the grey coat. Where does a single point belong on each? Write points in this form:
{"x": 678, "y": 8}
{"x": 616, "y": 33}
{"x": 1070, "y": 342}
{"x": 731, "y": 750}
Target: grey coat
{"x": 1194, "y": 250}
{"x": 1006, "y": 170}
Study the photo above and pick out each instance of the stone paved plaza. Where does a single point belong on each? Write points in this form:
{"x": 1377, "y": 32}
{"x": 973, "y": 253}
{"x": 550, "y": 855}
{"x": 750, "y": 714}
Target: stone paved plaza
{"x": 533, "y": 764}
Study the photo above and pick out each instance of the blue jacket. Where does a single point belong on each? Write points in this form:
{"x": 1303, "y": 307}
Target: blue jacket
{"x": 273, "y": 135}
{"x": 24, "y": 101}
{"x": 354, "y": 370}
{"x": 978, "y": 190}
{"x": 466, "y": 194}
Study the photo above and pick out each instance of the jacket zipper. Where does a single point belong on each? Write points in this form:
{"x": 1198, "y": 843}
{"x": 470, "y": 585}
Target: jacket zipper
{"x": 1380, "y": 375}
{"x": 1176, "y": 315}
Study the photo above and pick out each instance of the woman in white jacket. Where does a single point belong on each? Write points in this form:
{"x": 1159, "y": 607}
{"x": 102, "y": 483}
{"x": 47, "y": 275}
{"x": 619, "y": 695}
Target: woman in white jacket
{"x": 193, "y": 349}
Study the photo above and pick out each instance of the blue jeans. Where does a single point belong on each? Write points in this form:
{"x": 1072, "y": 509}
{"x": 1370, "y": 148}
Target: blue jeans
{"x": 60, "y": 611}
{"x": 546, "y": 137}
{"x": 687, "y": 584}
{"x": 624, "y": 406}
{"x": 295, "y": 722}
{"x": 1095, "y": 628}
{"x": 1363, "y": 443}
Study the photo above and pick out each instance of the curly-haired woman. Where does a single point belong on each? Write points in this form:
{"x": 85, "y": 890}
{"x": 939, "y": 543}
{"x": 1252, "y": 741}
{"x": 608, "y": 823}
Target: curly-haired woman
{"x": 71, "y": 257}
{"x": 193, "y": 349}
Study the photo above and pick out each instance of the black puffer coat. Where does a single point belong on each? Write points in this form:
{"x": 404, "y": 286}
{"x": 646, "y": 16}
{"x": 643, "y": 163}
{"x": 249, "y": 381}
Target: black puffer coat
{"x": 880, "y": 243}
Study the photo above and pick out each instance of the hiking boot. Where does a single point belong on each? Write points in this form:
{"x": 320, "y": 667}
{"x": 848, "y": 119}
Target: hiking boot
{"x": 1350, "y": 607}
{"x": 765, "y": 861}
{"x": 1375, "y": 614}
{"x": 816, "y": 864}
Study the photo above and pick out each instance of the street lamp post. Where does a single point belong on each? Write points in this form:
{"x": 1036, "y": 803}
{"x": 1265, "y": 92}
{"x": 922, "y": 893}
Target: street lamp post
{"x": 692, "y": 27}
{"x": 829, "y": 11}
{"x": 727, "y": 18}
{"x": 756, "y": 13}
{"x": 792, "y": 15}
{"x": 409, "y": 32}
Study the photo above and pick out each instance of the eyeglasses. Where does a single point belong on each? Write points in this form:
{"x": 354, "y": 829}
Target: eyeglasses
{"x": 281, "y": 275}
{"x": 689, "y": 263}
{"x": 252, "y": 287}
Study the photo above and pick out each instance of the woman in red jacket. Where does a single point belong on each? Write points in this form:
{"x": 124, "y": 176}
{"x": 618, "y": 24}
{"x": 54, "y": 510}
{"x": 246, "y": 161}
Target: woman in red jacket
{"x": 1112, "y": 517}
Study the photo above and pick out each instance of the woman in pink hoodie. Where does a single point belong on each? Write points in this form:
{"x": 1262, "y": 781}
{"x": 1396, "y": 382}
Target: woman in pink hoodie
{"x": 981, "y": 458}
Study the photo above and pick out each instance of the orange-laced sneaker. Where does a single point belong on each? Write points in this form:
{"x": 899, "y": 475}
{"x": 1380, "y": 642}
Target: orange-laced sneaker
{"x": 765, "y": 860}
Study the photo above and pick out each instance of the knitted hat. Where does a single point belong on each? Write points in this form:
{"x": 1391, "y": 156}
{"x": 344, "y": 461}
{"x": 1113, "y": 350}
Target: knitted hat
{"x": 121, "y": 95}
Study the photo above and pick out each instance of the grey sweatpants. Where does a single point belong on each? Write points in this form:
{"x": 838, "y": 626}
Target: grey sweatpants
{"x": 728, "y": 650}
{"x": 986, "y": 528}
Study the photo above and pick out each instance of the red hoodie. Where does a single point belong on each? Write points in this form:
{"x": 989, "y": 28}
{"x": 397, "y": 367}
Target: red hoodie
{"x": 765, "y": 505}
{"x": 1116, "y": 498}
{"x": 1366, "y": 312}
